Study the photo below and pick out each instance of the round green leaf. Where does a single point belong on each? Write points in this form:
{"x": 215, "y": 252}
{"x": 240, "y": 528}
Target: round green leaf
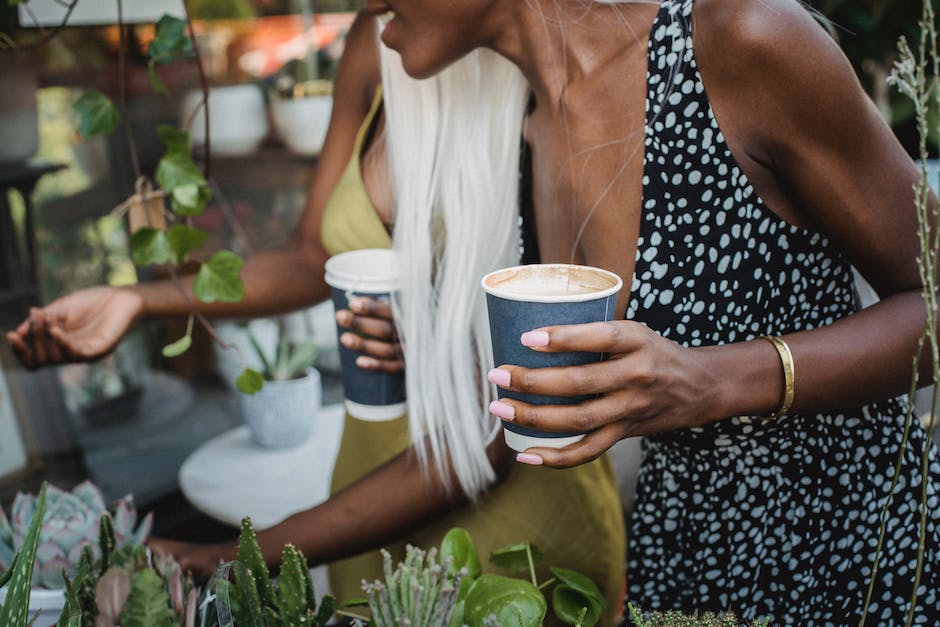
{"x": 150, "y": 246}
{"x": 568, "y": 605}
{"x": 98, "y": 113}
{"x": 183, "y": 239}
{"x": 514, "y": 602}
{"x": 219, "y": 279}
{"x": 249, "y": 381}
{"x": 458, "y": 545}
{"x": 514, "y": 557}
{"x": 580, "y": 583}
{"x": 178, "y": 347}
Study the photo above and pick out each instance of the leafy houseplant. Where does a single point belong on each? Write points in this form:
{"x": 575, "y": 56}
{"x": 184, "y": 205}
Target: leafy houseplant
{"x": 453, "y": 591}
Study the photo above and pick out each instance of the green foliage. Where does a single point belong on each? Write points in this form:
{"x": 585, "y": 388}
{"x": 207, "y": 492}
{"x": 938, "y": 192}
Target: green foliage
{"x": 458, "y": 551}
{"x": 148, "y": 604}
{"x": 219, "y": 279}
{"x": 177, "y": 348}
{"x": 182, "y": 239}
{"x": 576, "y": 599}
{"x": 512, "y": 601}
{"x": 150, "y": 247}
{"x": 98, "y": 114}
{"x": 170, "y": 41}
{"x": 15, "y": 610}
{"x": 249, "y": 381}
{"x": 178, "y": 174}
{"x": 517, "y": 558}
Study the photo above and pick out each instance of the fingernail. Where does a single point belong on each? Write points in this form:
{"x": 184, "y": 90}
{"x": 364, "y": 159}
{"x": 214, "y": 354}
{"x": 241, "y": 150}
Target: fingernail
{"x": 366, "y": 362}
{"x": 534, "y": 338}
{"x": 343, "y": 317}
{"x": 357, "y": 304}
{"x": 529, "y": 458}
{"x": 346, "y": 339}
{"x": 503, "y": 410}
{"x": 499, "y": 377}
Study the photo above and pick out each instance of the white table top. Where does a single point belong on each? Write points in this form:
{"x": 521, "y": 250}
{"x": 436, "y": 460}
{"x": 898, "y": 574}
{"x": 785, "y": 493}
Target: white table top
{"x": 229, "y": 477}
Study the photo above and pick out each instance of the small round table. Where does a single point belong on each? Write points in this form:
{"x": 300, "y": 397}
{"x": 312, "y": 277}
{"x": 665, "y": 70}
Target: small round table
{"x": 229, "y": 477}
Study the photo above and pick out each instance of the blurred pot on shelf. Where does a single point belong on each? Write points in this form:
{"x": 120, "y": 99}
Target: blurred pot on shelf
{"x": 237, "y": 120}
{"x": 301, "y": 115}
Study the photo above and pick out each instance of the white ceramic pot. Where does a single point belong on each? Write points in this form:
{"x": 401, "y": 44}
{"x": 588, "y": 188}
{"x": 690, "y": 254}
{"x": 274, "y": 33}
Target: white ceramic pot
{"x": 50, "y": 602}
{"x": 301, "y": 123}
{"x": 282, "y": 414}
{"x": 237, "y": 119}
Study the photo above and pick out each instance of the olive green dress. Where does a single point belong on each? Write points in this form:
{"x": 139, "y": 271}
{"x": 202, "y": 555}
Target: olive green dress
{"x": 574, "y": 516}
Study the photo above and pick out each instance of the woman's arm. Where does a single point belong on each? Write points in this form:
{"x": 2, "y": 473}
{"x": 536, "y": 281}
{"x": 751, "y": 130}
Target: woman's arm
{"x": 89, "y": 323}
{"x": 397, "y": 498}
{"x": 818, "y": 152}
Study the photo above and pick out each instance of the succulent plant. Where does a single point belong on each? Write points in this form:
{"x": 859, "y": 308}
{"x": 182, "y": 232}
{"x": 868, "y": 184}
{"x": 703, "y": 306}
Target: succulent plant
{"x": 72, "y": 521}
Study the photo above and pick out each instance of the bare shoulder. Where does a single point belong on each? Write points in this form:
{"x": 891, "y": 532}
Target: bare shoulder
{"x": 764, "y": 38}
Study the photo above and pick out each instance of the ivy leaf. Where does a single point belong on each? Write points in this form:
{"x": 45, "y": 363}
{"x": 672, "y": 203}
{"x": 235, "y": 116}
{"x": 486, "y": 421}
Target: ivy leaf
{"x": 514, "y": 557}
{"x": 155, "y": 83}
{"x": 190, "y": 199}
{"x": 178, "y": 347}
{"x": 170, "y": 40}
{"x": 219, "y": 279}
{"x": 150, "y": 246}
{"x": 98, "y": 113}
{"x": 175, "y": 139}
{"x": 183, "y": 239}
{"x": 249, "y": 381}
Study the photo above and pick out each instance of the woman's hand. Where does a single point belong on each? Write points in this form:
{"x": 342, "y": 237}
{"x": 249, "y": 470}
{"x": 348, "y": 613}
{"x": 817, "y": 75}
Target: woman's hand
{"x": 373, "y": 318}
{"x": 81, "y": 326}
{"x": 647, "y": 385}
{"x": 199, "y": 559}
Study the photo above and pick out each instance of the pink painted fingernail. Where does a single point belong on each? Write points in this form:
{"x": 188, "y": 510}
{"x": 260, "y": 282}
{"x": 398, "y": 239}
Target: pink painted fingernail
{"x": 499, "y": 377}
{"x": 357, "y": 304}
{"x": 534, "y": 338}
{"x": 347, "y": 340}
{"x": 343, "y": 317}
{"x": 503, "y": 410}
{"x": 529, "y": 458}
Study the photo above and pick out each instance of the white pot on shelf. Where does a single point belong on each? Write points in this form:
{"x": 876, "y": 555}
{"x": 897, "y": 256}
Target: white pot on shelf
{"x": 283, "y": 413}
{"x": 237, "y": 119}
{"x": 301, "y": 123}
{"x": 48, "y": 603}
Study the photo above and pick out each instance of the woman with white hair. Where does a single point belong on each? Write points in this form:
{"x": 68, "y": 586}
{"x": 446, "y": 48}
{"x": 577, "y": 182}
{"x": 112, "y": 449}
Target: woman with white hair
{"x": 722, "y": 158}
{"x": 399, "y": 167}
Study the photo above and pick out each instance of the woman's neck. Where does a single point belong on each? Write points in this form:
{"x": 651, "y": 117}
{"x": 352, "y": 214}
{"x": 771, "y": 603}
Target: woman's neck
{"x": 558, "y": 43}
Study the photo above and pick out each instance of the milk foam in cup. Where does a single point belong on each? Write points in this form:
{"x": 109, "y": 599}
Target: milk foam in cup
{"x": 371, "y": 272}
{"x": 523, "y": 298}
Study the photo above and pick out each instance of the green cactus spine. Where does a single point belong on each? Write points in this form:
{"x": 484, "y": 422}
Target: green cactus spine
{"x": 291, "y": 586}
{"x": 15, "y": 610}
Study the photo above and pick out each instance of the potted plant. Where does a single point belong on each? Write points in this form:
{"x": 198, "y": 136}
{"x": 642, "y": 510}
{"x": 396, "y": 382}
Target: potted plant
{"x": 283, "y": 397}
{"x": 71, "y": 522}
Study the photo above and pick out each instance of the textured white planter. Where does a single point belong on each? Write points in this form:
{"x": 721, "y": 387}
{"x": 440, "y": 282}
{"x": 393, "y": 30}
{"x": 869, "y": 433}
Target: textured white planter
{"x": 50, "y": 602}
{"x": 282, "y": 414}
{"x": 301, "y": 123}
{"x": 237, "y": 119}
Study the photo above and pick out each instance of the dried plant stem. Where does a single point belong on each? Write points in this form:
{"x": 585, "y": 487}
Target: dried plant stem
{"x": 204, "y": 84}
{"x": 122, "y": 95}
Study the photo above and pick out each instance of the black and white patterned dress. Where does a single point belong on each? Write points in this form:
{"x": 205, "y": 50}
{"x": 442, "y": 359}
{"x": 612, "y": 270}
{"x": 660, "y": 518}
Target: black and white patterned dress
{"x": 776, "y": 519}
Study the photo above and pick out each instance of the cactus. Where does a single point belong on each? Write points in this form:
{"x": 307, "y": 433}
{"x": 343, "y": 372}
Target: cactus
{"x": 254, "y": 599}
{"x": 420, "y": 592}
{"x": 15, "y": 610}
{"x": 72, "y": 521}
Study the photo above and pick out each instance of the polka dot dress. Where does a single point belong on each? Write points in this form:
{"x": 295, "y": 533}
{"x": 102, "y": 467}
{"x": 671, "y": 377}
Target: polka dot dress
{"x": 772, "y": 519}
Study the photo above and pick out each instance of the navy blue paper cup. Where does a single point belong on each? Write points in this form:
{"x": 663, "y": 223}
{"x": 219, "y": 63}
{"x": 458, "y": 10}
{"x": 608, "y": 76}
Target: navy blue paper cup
{"x": 524, "y": 298}
{"x": 371, "y": 272}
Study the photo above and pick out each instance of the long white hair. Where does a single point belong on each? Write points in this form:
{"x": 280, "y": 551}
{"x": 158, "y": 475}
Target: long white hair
{"x": 454, "y": 147}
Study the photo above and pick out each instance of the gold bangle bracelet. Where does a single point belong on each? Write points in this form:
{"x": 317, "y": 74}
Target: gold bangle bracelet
{"x": 786, "y": 360}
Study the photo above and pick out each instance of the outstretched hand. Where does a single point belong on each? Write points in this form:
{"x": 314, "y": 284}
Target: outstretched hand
{"x": 81, "y": 326}
{"x": 647, "y": 385}
{"x": 376, "y": 337}
{"x": 199, "y": 559}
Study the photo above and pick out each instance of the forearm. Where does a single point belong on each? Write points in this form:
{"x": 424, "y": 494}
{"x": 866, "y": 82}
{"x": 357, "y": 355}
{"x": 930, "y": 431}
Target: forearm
{"x": 276, "y": 281}
{"x": 864, "y": 357}
{"x": 395, "y": 499}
